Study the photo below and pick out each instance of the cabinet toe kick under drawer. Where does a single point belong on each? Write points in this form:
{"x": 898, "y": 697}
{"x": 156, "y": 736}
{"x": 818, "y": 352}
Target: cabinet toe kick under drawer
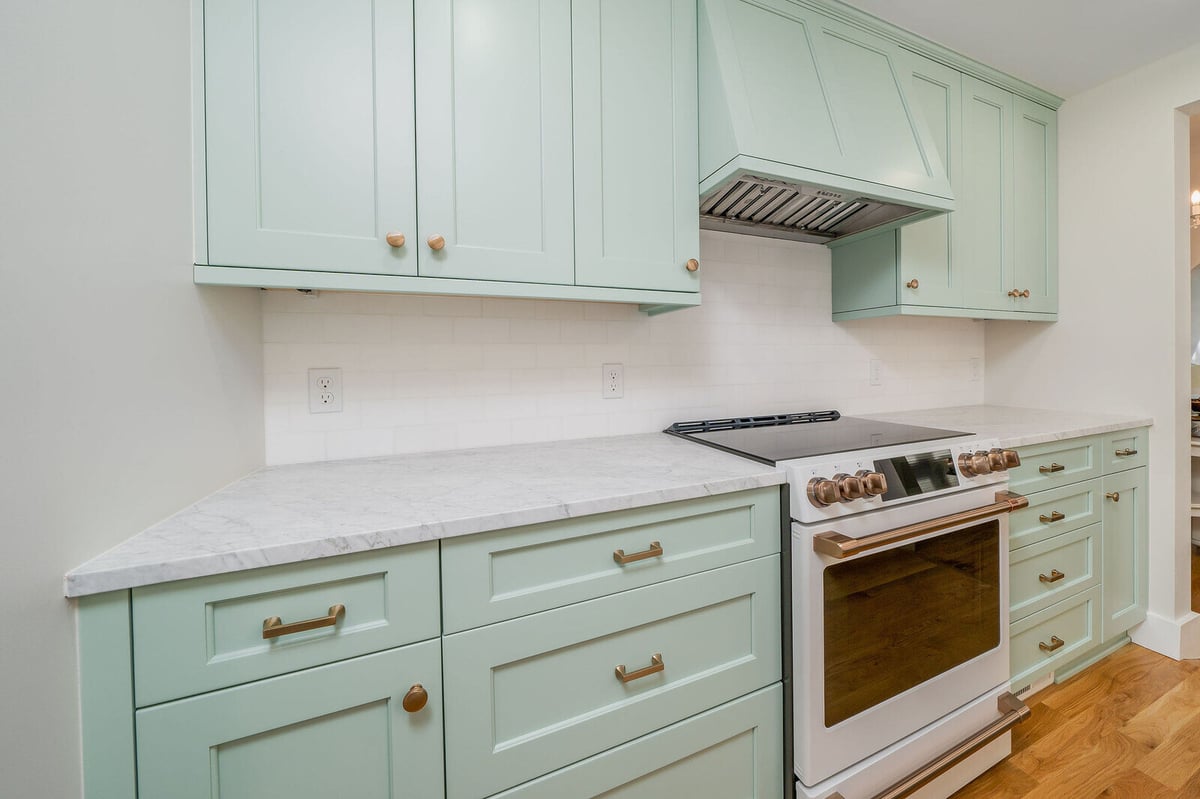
{"x": 1049, "y": 638}
{"x": 527, "y": 696}
{"x": 213, "y": 632}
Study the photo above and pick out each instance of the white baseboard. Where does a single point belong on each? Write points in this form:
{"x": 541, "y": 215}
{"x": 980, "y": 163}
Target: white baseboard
{"x": 1176, "y": 638}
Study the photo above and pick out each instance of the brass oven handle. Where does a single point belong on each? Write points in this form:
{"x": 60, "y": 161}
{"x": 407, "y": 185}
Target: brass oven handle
{"x": 274, "y": 627}
{"x": 1053, "y": 467}
{"x": 1055, "y": 643}
{"x": 1015, "y": 711}
{"x": 656, "y": 665}
{"x": 1055, "y": 576}
{"x": 836, "y": 545}
{"x": 655, "y": 551}
{"x": 1125, "y": 453}
{"x": 1054, "y": 516}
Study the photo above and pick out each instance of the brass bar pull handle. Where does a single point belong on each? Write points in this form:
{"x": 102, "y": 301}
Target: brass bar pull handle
{"x": 1054, "y": 516}
{"x": 1055, "y": 643}
{"x": 656, "y": 665}
{"x": 1125, "y": 453}
{"x": 836, "y": 545}
{"x": 1015, "y": 711}
{"x": 1055, "y": 576}
{"x": 1115, "y": 496}
{"x": 655, "y": 551}
{"x": 1053, "y": 467}
{"x": 274, "y": 627}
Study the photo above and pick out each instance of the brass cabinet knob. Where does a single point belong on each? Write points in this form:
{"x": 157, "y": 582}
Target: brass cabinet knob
{"x": 874, "y": 484}
{"x": 822, "y": 492}
{"x": 913, "y": 284}
{"x": 395, "y": 239}
{"x": 1014, "y": 293}
{"x": 1115, "y": 496}
{"x": 415, "y": 699}
{"x": 1025, "y": 293}
{"x": 849, "y": 487}
{"x": 436, "y": 242}
{"x": 692, "y": 265}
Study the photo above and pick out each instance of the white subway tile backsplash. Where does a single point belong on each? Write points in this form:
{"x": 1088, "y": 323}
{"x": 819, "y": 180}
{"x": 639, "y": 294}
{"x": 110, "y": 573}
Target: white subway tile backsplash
{"x": 428, "y": 373}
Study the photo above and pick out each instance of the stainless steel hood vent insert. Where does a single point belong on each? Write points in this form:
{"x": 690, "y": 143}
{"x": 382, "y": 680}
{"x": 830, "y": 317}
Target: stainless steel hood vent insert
{"x": 806, "y": 213}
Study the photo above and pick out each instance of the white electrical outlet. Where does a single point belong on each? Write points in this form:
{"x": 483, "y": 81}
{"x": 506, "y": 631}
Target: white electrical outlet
{"x": 324, "y": 390}
{"x": 976, "y": 369}
{"x": 875, "y": 372}
{"x": 612, "y": 383}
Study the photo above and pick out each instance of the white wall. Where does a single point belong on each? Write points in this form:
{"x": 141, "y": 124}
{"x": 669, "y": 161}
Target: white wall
{"x": 441, "y": 372}
{"x": 1121, "y": 341}
{"x": 128, "y": 392}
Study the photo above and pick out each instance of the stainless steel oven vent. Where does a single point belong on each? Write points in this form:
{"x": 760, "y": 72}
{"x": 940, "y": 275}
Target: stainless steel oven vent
{"x": 750, "y": 204}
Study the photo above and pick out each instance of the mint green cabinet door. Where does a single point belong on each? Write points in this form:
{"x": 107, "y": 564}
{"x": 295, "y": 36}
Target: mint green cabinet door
{"x": 926, "y": 253}
{"x": 494, "y": 133}
{"x": 1125, "y": 553}
{"x": 1035, "y": 206}
{"x": 338, "y": 730}
{"x": 634, "y": 64}
{"x": 983, "y": 227}
{"x": 309, "y": 134}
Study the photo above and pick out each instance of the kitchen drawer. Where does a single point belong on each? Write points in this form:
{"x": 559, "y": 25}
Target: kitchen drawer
{"x": 502, "y": 575}
{"x": 1079, "y": 459}
{"x": 1074, "y": 555}
{"x": 1078, "y": 505}
{"x": 1125, "y": 449}
{"x": 531, "y": 695}
{"x": 1075, "y": 621}
{"x": 337, "y": 730}
{"x": 198, "y": 635}
{"x": 735, "y": 750}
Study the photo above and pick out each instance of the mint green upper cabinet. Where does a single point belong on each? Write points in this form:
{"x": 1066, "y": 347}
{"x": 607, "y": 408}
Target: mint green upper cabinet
{"x": 985, "y": 212}
{"x": 636, "y": 223}
{"x": 309, "y": 134}
{"x": 494, "y": 136}
{"x": 1035, "y": 200}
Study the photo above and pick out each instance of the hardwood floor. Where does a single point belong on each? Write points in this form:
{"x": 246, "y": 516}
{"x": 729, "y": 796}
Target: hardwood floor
{"x": 1129, "y": 726}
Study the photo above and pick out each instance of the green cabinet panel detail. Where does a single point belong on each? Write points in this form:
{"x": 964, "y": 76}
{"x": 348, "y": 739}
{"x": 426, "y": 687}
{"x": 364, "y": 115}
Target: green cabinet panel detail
{"x": 337, "y": 730}
{"x": 636, "y": 223}
{"x": 1035, "y": 206}
{"x": 735, "y": 750}
{"x": 985, "y": 210}
{"x": 1126, "y": 551}
{"x": 309, "y": 134}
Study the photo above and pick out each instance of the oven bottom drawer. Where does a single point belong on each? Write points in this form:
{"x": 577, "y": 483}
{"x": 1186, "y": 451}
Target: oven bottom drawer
{"x": 1044, "y": 640}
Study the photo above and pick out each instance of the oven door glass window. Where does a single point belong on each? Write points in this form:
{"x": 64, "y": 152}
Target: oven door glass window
{"x": 897, "y": 618}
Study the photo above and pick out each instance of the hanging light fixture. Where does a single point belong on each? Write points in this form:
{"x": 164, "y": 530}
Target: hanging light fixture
{"x": 1196, "y": 209}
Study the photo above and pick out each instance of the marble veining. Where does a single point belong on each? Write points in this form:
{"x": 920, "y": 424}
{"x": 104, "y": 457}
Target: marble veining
{"x": 286, "y": 514}
{"x": 1017, "y": 427}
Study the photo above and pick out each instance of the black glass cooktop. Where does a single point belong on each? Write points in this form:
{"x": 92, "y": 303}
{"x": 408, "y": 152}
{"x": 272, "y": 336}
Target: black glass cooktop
{"x": 771, "y": 439}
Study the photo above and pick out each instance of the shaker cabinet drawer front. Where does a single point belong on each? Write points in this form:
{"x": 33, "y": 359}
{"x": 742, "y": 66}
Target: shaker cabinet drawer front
{"x": 349, "y": 729}
{"x": 213, "y": 632}
{"x": 531, "y": 695}
{"x": 1051, "y": 570}
{"x": 1044, "y": 640}
{"x": 1054, "y": 512}
{"x": 1126, "y": 449}
{"x": 492, "y": 577}
{"x": 1055, "y": 464}
{"x": 735, "y": 750}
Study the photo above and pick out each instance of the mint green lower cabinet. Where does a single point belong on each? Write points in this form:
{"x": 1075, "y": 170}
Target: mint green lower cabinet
{"x": 1126, "y": 550}
{"x": 337, "y": 730}
{"x": 534, "y": 694}
{"x": 732, "y": 752}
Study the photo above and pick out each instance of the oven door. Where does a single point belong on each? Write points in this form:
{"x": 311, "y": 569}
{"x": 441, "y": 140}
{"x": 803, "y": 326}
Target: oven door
{"x": 900, "y": 618}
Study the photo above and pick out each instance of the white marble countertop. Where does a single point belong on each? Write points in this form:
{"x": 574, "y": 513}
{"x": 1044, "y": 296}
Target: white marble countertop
{"x": 286, "y": 514}
{"x": 1017, "y": 427}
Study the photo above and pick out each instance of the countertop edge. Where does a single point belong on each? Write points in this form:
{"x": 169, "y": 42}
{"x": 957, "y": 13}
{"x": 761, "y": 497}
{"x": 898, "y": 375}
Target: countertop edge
{"x": 1030, "y": 439}
{"x": 78, "y": 583}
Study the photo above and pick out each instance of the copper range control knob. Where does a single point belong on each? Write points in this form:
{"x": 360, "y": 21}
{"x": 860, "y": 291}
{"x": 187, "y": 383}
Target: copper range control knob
{"x": 996, "y": 460}
{"x": 822, "y": 492}
{"x": 974, "y": 464}
{"x": 849, "y": 486}
{"x": 1011, "y": 459}
{"x": 874, "y": 484}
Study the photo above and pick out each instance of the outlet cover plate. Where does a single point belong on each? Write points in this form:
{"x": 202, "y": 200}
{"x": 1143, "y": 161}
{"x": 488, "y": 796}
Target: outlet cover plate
{"x": 325, "y": 390}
